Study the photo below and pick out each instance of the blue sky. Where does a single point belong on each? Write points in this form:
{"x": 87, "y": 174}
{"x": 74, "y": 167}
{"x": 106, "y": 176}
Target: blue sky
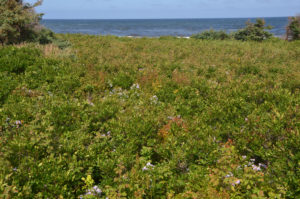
{"x": 137, "y": 9}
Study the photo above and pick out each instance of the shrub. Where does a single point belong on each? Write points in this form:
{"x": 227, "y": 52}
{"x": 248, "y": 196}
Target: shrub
{"x": 212, "y": 35}
{"x": 22, "y": 58}
{"x": 19, "y": 23}
{"x": 293, "y": 28}
{"x": 123, "y": 80}
{"x": 254, "y": 31}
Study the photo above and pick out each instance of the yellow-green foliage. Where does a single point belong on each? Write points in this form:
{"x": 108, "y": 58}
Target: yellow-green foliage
{"x": 150, "y": 118}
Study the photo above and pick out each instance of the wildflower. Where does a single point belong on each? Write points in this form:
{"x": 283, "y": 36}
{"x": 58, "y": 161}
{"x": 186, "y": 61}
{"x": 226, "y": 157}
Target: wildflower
{"x": 148, "y": 166}
{"x": 237, "y": 182}
{"x": 94, "y": 191}
{"x": 244, "y": 157}
{"x": 18, "y": 123}
{"x": 262, "y": 165}
{"x": 246, "y": 119}
{"x": 97, "y": 190}
{"x": 15, "y": 169}
{"x": 154, "y": 99}
{"x": 256, "y": 168}
{"x": 229, "y": 175}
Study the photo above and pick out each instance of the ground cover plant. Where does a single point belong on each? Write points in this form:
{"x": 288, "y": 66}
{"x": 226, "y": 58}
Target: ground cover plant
{"x": 164, "y": 117}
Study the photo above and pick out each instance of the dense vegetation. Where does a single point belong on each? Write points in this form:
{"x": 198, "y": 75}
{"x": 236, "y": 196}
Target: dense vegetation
{"x": 20, "y": 23}
{"x": 293, "y": 28}
{"x": 150, "y": 118}
{"x": 252, "y": 32}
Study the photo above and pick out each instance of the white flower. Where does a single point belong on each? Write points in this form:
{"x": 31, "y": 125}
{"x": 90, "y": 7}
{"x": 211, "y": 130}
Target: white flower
{"x": 256, "y": 168}
{"x": 95, "y": 191}
{"x": 262, "y": 165}
{"x": 154, "y": 99}
{"x": 244, "y": 157}
{"x": 229, "y": 175}
{"x": 148, "y": 166}
{"x": 237, "y": 182}
{"x": 135, "y": 86}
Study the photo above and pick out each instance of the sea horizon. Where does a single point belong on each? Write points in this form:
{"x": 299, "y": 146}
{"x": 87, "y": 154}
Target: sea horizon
{"x": 181, "y": 27}
{"x": 162, "y": 18}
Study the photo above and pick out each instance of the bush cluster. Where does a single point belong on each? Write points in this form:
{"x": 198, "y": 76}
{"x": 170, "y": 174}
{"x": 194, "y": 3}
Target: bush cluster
{"x": 252, "y": 32}
{"x": 150, "y": 118}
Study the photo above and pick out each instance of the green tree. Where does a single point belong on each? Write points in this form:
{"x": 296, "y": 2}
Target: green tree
{"x": 254, "y": 31}
{"x": 18, "y": 21}
{"x": 293, "y": 28}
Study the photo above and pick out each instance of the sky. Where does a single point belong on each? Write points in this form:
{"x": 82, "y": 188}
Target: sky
{"x": 155, "y": 9}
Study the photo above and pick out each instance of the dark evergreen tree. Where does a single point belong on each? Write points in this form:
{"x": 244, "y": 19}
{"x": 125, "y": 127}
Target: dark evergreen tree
{"x": 293, "y": 28}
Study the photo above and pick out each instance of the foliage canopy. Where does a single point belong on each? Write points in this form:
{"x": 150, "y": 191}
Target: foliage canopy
{"x": 19, "y": 23}
{"x": 293, "y": 28}
{"x": 254, "y": 31}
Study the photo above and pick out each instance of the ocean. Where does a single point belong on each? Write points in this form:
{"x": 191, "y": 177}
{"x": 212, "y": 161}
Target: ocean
{"x": 156, "y": 27}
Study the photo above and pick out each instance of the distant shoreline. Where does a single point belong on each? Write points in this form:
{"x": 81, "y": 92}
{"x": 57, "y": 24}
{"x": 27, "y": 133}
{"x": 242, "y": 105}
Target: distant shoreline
{"x": 171, "y": 18}
{"x": 156, "y": 27}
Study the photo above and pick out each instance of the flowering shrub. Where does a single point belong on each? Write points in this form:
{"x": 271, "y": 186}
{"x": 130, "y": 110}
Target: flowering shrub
{"x": 150, "y": 118}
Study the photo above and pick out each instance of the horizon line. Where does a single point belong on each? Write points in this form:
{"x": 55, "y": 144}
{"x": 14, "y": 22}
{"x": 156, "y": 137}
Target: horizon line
{"x": 164, "y": 18}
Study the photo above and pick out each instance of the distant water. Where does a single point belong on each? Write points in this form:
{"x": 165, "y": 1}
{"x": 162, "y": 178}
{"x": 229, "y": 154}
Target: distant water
{"x": 157, "y": 27}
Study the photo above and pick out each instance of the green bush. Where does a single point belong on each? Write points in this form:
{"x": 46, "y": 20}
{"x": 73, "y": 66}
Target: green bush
{"x": 253, "y": 32}
{"x": 211, "y": 35}
{"x": 123, "y": 80}
{"x": 16, "y": 60}
{"x": 19, "y": 23}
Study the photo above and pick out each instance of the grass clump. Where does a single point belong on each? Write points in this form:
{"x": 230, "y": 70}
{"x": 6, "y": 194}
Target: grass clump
{"x": 150, "y": 118}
